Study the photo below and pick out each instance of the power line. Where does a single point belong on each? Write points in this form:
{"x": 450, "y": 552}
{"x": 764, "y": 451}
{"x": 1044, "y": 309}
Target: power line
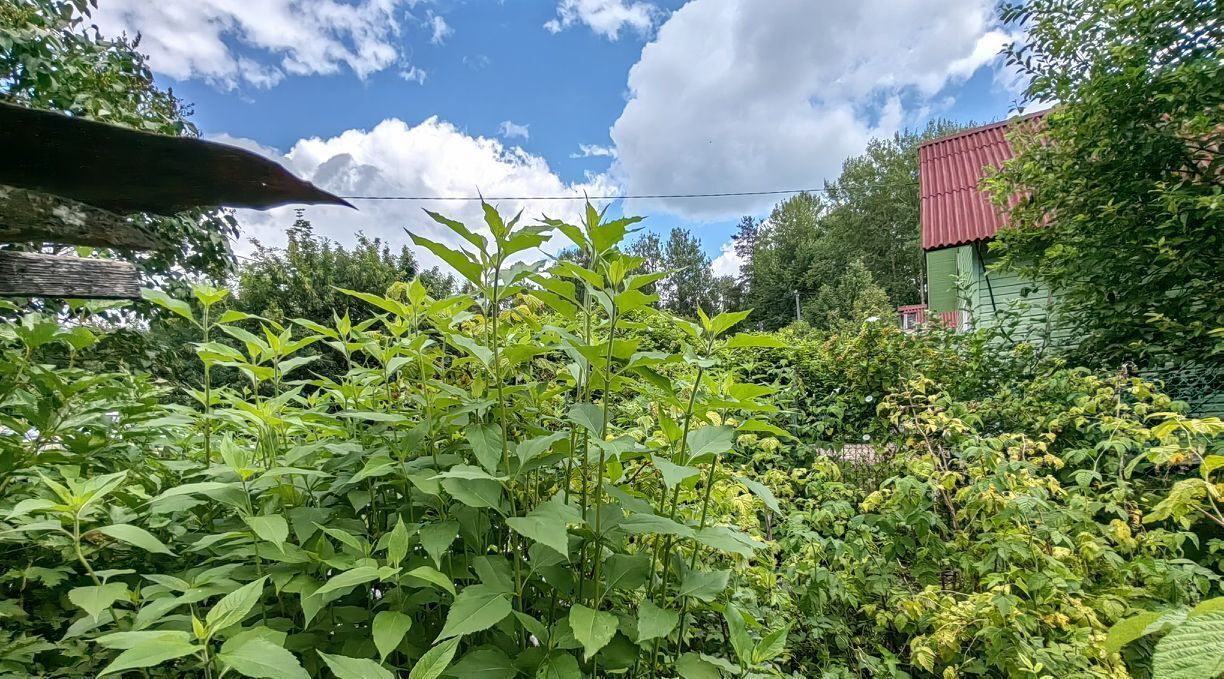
{"x": 626, "y": 196}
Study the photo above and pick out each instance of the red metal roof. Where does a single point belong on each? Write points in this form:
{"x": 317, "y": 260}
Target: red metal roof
{"x": 950, "y": 171}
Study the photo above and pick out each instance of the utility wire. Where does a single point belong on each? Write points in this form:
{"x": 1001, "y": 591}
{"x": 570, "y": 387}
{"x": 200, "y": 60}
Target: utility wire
{"x": 608, "y": 197}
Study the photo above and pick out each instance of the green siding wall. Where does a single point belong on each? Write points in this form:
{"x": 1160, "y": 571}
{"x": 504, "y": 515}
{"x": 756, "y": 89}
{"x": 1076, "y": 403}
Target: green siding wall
{"x": 1027, "y": 307}
{"x": 942, "y": 271}
{"x": 985, "y": 297}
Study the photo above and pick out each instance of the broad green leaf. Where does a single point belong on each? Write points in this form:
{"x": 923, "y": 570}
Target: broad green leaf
{"x": 770, "y": 646}
{"x": 435, "y": 661}
{"x": 235, "y": 606}
{"x": 169, "y": 303}
{"x": 271, "y": 527}
{"x": 559, "y": 665}
{"x": 259, "y": 657}
{"x": 477, "y": 350}
{"x": 391, "y": 306}
{"x": 436, "y": 538}
{"x": 639, "y": 524}
{"x": 763, "y": 493}
{"x": 703, "y": 585}
{"x": 349, "y": 579}
{"x": 725, "y": 321}
{"x": 209, "y": 294}
{"x": 469, "y": 473}
{"x": 31, "y": 505}
{"x": 1207, "y": 606}
{"x": 673, "y": 474}
{"x": 738, "y": 631}
{"x": 654, "y": 622}
{"x": 397, "y": 544}
{"x": 433, "y": 576}
{"x": 1125, "y": 631}
{"x": 458, "y": 260}
{"x": 477, "y": 608}
{"x": 709, "y": 440}
{"x": 345, "y": 667}
{"x": 260, "y": 632}
{"x": 474, "y": 492}
{"x": 1193, "y": 650}
{"x": 234, "y": 316}
{"x": 95, "y": 489}
{"x": 764, "y": 428}
{"x": 344, "y": 538}
{"x": 531, "y": 448}
{"x": 135, "y": 535}
{"x": 203, "y": 488}
{"x": 485, "y": 663}
{"x": 593, "y": 629}
{"x": 149, "y": 653}
{"x": 486, "y": 443}
{"x": 1210, "y": 463}
{"x": 728, "y": 540}
{"x": 590, "y": 416}
{"x": 626, "y": 571}
{"x": 692, "y": 666}
{"x": 373, "y": 416}
{"x": 126, "y": 640}
{"x": 547, "y": 524}
{"x": 97, "y": 598}
{"x": 389, "y": 628}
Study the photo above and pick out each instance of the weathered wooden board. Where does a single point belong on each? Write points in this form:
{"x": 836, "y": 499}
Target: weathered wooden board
{"x": 30, "y": 274}
{"x": 30, "y": 216}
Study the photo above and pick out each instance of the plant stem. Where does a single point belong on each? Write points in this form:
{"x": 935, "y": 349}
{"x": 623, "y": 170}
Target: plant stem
{"x": 599, "y": 472}
{"x": 76, "y": 543}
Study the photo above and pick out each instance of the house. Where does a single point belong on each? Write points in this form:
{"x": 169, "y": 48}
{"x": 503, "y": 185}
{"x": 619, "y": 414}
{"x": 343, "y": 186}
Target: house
{"x": 962, "y": 290}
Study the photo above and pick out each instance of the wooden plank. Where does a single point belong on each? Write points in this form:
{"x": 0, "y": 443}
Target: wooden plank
{"x": 31, "y": 274}
{"x": 29, "y": 216}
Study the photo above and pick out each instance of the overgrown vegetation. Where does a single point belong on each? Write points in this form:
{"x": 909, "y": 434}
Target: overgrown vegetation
{"x": 519, "y": 481}
{"x": 1120, "y": 186}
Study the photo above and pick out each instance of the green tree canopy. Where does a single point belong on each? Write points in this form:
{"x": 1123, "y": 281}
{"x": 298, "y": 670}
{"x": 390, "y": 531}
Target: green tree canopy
{"x": 869, "y": 214}
{"x": 1120, "y": 207}
{"x": 303, "y": 279}
{"x": 848, "y": 300}
{"x": 691, "y": 283}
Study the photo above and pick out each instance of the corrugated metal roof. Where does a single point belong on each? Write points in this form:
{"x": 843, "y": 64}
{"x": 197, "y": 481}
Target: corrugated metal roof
{"x": 950, "y": 171}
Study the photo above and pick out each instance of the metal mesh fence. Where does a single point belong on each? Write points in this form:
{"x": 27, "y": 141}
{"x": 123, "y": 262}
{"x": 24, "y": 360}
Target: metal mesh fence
{"x": 1200, "y": 387}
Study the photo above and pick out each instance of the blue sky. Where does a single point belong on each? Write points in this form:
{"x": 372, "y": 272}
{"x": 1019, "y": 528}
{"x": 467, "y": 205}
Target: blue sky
{"x": 552, "y": 97}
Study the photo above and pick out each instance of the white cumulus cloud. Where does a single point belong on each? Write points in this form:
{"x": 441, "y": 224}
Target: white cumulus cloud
{"x": 431, "y": 158}
{"x": 604, "y": 17}
{"x": 594, "y": 151}
{"x": 510, "y": 129}
{"x": 258, "y": 42}
{"x": 727, "y": 263}
{"x": 743, "y": 95}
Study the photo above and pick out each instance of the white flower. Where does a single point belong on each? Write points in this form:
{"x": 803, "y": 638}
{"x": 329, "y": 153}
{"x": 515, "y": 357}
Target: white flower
{"x": 866, "y": 438}
{"x": 869, "y": 399}
{"x": 873, "y": 319}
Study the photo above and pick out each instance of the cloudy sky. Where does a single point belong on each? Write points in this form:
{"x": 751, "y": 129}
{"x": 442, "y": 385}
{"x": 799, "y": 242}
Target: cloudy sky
{"x": 564, "y": 97}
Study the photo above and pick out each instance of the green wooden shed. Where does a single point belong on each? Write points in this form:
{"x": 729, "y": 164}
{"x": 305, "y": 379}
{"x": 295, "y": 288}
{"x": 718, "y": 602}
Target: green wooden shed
{"x": 964, "y": 288}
